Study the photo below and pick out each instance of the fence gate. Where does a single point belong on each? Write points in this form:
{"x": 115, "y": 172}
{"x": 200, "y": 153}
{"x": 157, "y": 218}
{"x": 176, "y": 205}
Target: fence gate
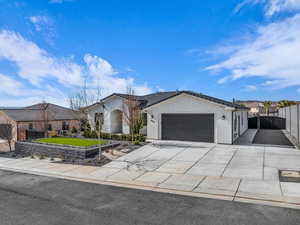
{"x": 30, "y": 134}
{"x": 267, "y": 122}
{"x": 252, "y": 123}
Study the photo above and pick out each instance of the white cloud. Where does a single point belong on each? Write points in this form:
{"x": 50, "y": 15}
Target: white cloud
{"x": 59, "y": 1}
{"x": 9, "y": 86}
{"x": 98, "y": 66}
{"x": 45, "y": 26}
{"x": 41, "y": 21}
{"x": 272, "y": 6}
{"x": 105, "y": 77}
{"x": 15, "y": 93}
{"x": 35, "y": 64}
{"x": 160, "y": 89}
{"x": 250, "y": 88}
{"x": 38, "y": 67}
{"x": 273, "y": 53}
{"x": 276, "y": 6}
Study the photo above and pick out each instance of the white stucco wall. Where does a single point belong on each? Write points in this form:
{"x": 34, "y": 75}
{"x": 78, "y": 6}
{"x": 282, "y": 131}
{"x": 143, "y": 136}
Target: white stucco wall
{"x": 288, "y": 118}
{"x": 189, "y": 104}
{"x": 294, "y": 118}
{"x": 243, "y": 123}
{"x": 111, "y": 104}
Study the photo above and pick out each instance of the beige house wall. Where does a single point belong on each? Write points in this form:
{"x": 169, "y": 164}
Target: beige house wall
{"x": 39, "y": 126}
{"x": 19, "y": 128}
{"x": 4, "y": 119}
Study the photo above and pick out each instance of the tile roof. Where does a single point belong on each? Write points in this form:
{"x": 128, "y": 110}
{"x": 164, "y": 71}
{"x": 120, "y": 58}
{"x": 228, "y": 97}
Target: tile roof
{"x": 34, "y": 113}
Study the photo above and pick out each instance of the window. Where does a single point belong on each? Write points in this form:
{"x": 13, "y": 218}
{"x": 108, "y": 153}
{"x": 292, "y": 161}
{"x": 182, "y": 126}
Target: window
{"x": 49, "y": 127}
{"x": 65, "y": 126}
{"x": 144, "y": 117}
{"x": 99, "y": 117}
{"x": 242, "y": 119}
{"x": 235, "y": 122}
{"x": 30, "y": 126}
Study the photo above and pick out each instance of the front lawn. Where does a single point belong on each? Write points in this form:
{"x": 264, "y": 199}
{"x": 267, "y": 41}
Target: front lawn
{"x": 70, "y": 141}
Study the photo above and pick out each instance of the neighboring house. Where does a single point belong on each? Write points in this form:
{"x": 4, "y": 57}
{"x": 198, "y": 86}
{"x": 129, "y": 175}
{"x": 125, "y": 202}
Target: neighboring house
{"x": 36, "y": 117}
{"x": 177, "y": 115}
{"x": 257, "y": 107}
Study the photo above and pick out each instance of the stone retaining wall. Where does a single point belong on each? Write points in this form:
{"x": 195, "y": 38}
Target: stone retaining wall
{"x": 58, "y": 151}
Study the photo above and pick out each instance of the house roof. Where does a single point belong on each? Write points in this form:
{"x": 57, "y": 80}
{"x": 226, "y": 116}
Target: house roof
{"x": 200, "y": 95}
{"x": 35, "y": 113}
{"x": 155, "y": 98}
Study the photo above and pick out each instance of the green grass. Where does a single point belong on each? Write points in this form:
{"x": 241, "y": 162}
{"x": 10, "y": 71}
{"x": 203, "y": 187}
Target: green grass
{"x": 70, "y": 141}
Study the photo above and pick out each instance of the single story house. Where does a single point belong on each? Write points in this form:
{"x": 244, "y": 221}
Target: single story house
{"x": 36, "y": 117}
{"x": 175, "y": 115}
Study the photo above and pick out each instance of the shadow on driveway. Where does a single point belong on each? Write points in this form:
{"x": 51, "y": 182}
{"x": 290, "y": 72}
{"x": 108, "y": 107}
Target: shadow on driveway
{"x": 271, "y": 137}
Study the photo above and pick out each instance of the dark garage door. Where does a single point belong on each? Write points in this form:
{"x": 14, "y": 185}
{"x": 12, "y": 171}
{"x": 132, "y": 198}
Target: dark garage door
{"x": 188, "y": 127}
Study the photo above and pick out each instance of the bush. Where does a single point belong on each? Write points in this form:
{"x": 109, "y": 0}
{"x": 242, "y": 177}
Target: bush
{"x": 118, "y": 137}
{"x": 87, "y": 133}
{"x": 136, "y": 142}
{"x": 94, "y": 134}
{"x": 53, "y": 133}
{"x": 74, "y": 130}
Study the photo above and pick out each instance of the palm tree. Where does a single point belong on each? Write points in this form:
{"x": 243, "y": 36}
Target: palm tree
{"x": 267, "y": 105}
{"x": 285, "y": 103}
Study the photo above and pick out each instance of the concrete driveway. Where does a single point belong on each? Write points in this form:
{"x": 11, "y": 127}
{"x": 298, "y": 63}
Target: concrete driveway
{"x": 228, "y": 170}
{"x": 271, "y": 137}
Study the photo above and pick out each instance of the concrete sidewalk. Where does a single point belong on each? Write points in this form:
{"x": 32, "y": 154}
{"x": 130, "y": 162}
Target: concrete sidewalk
{"x": 235, "y": 173}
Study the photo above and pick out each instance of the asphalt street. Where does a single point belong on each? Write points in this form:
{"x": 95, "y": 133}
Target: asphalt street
{"x": 38, "y": 200}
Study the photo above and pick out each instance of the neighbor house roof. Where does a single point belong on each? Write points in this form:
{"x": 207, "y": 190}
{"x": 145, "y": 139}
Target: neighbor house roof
{"x": 155, "y": 98}
{"x": 35, "y": 113}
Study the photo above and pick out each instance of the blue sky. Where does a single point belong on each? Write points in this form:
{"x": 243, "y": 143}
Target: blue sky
{"x": 243, "y": 49}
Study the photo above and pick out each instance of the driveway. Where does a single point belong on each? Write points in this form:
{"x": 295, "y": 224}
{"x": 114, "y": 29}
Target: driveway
{"x": 230, "y": 170}
{"x": 271, "y": 137}
{"x": 39, "y": 200}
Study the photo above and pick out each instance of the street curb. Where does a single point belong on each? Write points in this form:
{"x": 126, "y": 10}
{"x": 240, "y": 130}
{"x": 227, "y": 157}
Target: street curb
{"x": 164, "y": 190}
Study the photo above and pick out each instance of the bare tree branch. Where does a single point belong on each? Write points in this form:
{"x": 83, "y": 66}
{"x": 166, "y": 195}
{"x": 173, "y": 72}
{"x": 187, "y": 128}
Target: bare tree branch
{"x": 6, "y": 131}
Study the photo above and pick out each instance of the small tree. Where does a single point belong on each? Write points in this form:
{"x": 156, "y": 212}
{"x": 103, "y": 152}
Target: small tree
{"x": 46, "y": 116}
{"x": 6, "y": 132}
{"x": 285, "y": 103}
{"x": 85, "y": 97}
{"x": 132, "y": 113}
{"x": 267, "y": 105}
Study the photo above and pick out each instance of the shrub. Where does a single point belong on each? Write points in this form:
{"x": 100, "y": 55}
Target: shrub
{"x": 87, "y": 133}
{"x": 136, "y": 142}
{"x": 140, "y": 138}
{"x": 118, "y": 137}
{"x": 53, "y": 133}
{"x": 74, "y": 130}
{"x": 93, "y": 134}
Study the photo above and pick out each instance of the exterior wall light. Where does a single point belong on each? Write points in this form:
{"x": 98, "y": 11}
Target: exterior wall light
{"x": 223, "y": 117}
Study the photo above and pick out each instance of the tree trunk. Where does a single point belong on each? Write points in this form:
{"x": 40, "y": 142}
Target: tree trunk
{"x": 9, "y": 144}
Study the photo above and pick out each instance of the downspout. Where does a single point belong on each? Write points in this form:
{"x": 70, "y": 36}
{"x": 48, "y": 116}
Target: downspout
{"x": 298, "y": 122}
{"x": 232, "y": 126}
{"x": 291, "y": 120}
{"x": 17, "y": 131}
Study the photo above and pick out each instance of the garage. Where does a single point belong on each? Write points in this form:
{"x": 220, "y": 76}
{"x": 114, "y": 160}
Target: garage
{"x": 188, "y": 127}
